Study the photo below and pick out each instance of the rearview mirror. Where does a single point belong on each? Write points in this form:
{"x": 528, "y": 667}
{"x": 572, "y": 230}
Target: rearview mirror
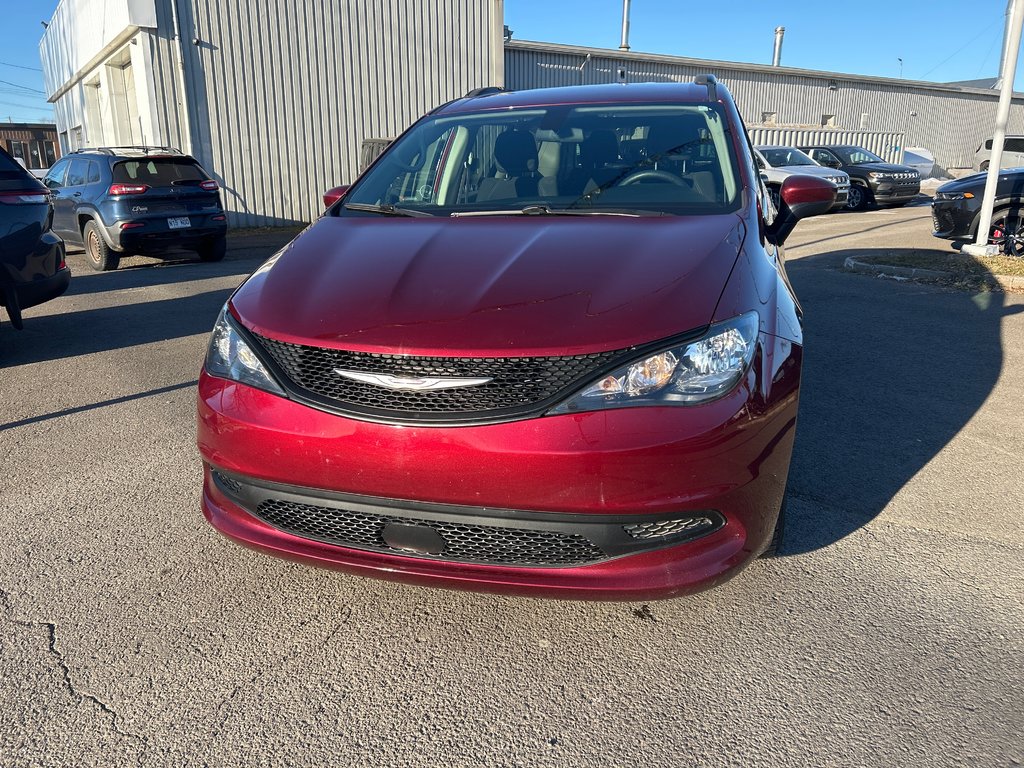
{"x": 800, "y": 197}
{"x": 333, "y": 195}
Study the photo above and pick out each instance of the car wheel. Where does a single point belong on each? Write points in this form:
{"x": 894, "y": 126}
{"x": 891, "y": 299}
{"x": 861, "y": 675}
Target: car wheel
{"x": 213, "y": 250}
{"x": 983, "y": 167}
{"x": 100, "y": 256}
{"x": 1008, "y": 233}
{"x": 774, "y": 548}
{"x": 858, "y": 198}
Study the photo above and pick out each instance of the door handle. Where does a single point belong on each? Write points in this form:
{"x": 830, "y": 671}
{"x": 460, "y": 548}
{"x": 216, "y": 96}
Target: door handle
{"x": 77, "y": 194}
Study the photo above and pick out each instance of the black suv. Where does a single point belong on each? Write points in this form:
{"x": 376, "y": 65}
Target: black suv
{"x": 32, "y": 268}
{"x": 872, "y": 180}
{"x": 121, "y": 201}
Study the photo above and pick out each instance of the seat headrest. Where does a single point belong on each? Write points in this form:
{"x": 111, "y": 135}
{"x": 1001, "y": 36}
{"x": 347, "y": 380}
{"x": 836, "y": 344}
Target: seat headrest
{"x": 599, "y": 148}
{"x": 516, "y": 152}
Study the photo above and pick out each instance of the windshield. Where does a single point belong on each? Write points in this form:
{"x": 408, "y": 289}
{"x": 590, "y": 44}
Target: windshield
{"x": 652, "y": 159}
{"x": 857, "y": 155}
{"x": 779, "y": 157}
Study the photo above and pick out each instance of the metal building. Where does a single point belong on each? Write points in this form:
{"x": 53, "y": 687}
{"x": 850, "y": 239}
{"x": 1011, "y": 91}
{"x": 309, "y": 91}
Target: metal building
{"x": 950, "y": 120}
{"x": 273, "y": 97}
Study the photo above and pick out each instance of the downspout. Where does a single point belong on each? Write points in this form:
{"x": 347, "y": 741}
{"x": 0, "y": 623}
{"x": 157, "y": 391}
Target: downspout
{"x": 183, "y": 112}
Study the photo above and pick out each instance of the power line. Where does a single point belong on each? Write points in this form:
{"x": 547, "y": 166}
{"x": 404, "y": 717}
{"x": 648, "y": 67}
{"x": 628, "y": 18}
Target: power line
{"x": 19, "y": 66}
{"x": 961, "y": 49}
{"x": 23, "y": 87}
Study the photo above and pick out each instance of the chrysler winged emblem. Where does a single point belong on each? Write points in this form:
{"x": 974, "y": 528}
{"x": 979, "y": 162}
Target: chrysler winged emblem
{"x": 414, "y": 383}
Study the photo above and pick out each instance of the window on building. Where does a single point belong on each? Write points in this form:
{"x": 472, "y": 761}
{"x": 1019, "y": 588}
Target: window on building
{"x": 865, "y": 119}
{"x": 50, "y": 153}
{"x": 35, "y": 154}
{"x": 19, "y": 149}
{"x": 828, "y": 121}
{"x": 769, "y": 118}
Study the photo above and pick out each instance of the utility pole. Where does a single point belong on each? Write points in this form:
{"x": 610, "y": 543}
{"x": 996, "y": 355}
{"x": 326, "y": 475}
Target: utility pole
{"x": 1007, "y": 72}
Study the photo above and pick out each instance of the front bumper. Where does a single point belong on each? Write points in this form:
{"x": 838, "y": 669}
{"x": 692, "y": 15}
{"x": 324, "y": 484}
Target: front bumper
{"x": 561, "y": 474}
{"x": 888, "y": 192}
{"x": 954, "y": 219}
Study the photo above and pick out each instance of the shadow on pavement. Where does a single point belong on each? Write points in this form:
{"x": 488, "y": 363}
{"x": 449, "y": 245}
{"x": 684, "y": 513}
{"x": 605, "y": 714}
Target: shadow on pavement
{"x": 892, "y": 372}
{"x": 70, "y": 334}
{"x": 160, "y": 273}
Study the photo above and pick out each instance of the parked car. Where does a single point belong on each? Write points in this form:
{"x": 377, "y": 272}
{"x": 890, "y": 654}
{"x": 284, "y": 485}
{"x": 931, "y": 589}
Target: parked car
{"x": 872, "y": 180}
{"x": 32, "y": 266}
{"x": 956, "y": 210}
{"x": 1013, "y": 153}
{"x": 545, "y": 344}
{"x": 121, "y": 201}
{"x": 778, "y": 163}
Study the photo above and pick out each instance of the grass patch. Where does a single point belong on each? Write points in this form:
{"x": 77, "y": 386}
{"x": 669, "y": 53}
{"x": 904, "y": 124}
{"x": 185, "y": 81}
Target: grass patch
{"x": 957, "y": 263}
{"x": 968, "y": 272}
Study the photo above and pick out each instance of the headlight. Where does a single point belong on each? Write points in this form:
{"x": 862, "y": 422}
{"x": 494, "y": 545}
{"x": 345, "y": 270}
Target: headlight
{"x": 690, "y": 374}
{"x": 954, "y": 195}
{"x": 877, "y": 176}
{"x": 230, "y": 357}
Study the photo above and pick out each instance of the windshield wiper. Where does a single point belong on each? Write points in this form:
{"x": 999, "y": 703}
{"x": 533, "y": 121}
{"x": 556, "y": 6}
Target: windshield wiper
{"x": 387, "y": 210}
{"x": 547, "y": 210}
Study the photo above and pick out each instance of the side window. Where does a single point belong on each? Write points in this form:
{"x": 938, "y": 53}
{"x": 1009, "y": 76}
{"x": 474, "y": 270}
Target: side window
{"x": 79, "y": 172}
{"x": 988, "y": 144}
{"x": 1014, "y": 145}
{"x": 55, "y": 178}
{"x": 94, "y": 172}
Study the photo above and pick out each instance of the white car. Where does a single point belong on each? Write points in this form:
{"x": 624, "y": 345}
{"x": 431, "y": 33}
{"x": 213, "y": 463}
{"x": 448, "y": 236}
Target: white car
{"x": 776, "y": 163}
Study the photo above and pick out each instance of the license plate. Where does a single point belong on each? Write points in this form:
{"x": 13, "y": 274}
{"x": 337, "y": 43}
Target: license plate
{"x": 182, "y": 222}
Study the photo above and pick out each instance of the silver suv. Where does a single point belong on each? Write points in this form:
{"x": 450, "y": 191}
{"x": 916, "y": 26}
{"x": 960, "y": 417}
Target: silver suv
{"x": 1013, "y": 153}
{"x": 776, "y": 163}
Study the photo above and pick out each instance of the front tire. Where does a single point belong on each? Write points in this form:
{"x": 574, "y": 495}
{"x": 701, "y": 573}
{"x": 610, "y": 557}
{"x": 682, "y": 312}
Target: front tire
{"x": 858, "y": 198}
{"x": 101, "y": 257}
{"x": 1008, "y": 232}
{"x": 213, "y": 250}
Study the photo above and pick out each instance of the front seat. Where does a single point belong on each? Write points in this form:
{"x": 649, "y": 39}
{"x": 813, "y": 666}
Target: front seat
{"x": 599, "y": 154}
{"x": 515, "y": 153}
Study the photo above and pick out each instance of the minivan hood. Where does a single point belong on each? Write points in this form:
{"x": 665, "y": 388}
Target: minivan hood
{"x": 493, "y": 285}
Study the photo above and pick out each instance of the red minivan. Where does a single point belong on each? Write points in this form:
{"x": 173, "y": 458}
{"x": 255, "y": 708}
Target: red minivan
{"x": 544, "y": 345}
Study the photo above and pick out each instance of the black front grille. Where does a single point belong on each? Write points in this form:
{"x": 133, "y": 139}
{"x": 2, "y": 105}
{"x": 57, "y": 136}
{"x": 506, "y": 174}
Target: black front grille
{"x": 517, "y": 383}
{"x": 942, "y": 220}
{"x": 465, "y": 543}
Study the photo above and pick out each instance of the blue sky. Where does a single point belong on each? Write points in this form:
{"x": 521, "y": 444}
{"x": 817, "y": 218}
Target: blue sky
{"x": 941, "y": 40}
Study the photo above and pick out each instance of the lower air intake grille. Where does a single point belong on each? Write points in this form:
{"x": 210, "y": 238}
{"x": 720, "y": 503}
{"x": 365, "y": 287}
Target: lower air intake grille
{"x": 463, "y": 543}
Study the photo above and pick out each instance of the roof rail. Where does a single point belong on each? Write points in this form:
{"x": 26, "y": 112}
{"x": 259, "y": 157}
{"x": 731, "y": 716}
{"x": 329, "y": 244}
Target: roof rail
{"x": 144, "y": 149}
{"x": 711, "y": 83}
{"x": 485, "y": 91}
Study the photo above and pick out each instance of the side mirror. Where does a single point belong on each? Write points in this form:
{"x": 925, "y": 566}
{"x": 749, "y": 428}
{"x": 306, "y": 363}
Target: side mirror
{"x": 333, "y": 195}
{"x": 800, "y": 197}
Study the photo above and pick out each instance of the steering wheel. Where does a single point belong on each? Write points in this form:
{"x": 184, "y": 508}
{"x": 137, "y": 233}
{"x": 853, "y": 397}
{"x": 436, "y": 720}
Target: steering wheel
{"x": 651, "y": 174}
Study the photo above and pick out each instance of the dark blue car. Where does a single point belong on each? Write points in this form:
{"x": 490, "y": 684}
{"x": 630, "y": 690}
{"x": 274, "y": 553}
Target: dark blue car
{"x": 32, "y": 266}
{"x": 122, "y": 201}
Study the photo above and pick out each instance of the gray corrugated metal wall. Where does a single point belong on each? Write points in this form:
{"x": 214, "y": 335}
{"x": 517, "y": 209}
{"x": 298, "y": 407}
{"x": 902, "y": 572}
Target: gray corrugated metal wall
{"x": 950, "y": 122}
{"x": 281, "y": 93}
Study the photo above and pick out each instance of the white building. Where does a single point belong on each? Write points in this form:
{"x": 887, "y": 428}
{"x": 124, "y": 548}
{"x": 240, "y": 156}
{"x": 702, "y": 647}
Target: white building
{"x": 273, "y": 97}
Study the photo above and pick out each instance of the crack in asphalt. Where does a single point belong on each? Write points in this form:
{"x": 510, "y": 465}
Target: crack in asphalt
{"x": 55, "y": 652}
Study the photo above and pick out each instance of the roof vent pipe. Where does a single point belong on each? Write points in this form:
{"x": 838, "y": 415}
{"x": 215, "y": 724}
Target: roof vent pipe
{"x": 624, "y": 45}
{"x": 777, "y": 52}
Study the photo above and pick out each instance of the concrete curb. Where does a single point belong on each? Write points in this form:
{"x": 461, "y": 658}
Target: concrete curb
{"x": 850, "y": 264}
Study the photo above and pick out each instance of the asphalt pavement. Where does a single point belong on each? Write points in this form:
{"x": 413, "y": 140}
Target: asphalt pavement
{"x": 890, "y": 632}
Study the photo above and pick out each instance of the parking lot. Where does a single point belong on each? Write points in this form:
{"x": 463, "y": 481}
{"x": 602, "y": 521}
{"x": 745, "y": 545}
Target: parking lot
{"x": 890, "y": 632}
